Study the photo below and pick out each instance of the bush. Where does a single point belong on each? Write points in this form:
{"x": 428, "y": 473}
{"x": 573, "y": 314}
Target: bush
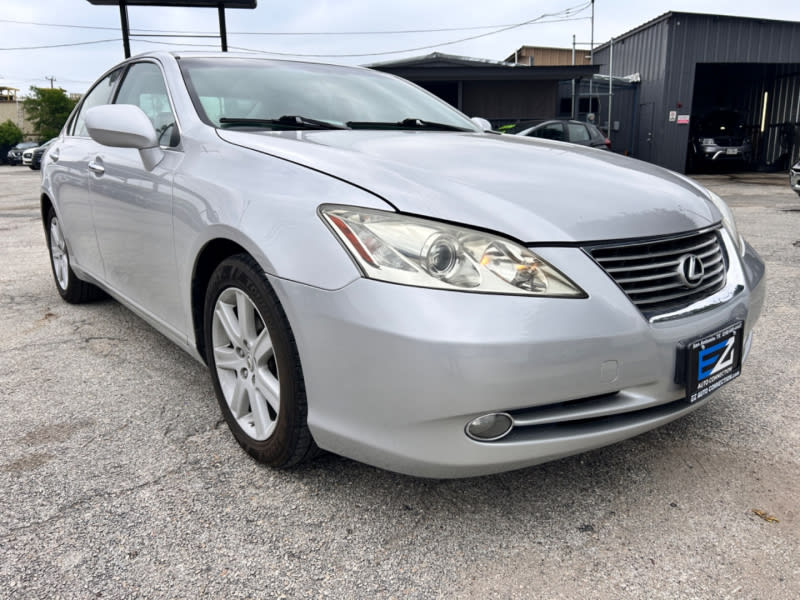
{"x": 10, "y": 135}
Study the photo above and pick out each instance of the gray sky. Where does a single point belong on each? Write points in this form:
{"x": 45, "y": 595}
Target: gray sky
{"x": 76, "y": 67}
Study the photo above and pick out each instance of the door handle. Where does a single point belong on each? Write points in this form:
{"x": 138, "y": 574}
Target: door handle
{"x": 96, "y": 168}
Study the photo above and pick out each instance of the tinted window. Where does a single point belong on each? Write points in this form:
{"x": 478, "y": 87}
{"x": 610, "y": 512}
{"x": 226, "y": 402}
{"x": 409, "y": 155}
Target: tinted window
{"x": 100, "y": 94}
{"x": 578, "y": 133}
{"x": 551, "y": 131}
{"x": 144, "y": 87}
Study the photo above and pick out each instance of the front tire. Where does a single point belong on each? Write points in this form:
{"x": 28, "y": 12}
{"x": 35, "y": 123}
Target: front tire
{"x": 255, "y": 365}
{"x": 69, "y": 286}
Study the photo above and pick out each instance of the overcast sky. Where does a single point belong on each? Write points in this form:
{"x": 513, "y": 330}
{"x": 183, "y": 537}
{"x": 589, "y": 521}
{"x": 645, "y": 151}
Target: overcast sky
{"x": 76, "y": 67}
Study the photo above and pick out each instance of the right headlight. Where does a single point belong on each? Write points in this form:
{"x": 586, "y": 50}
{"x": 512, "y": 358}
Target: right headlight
{"x": 728, "y": 221}
{"x": 425, "y": 253}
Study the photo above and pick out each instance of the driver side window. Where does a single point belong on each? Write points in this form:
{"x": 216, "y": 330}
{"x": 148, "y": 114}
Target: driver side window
{"x": 144, "y": 87}
{"x": 100, "y": 94}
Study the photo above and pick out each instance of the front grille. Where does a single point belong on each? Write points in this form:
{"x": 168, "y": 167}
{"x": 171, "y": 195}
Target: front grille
{"x": 649, "y": 271}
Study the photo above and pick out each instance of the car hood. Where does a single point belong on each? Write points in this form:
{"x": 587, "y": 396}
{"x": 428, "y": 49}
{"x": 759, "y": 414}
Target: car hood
{"x": 533, "y": 190}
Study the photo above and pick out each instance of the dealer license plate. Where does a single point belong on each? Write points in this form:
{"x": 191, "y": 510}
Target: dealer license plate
{"x": 712, "y": 361}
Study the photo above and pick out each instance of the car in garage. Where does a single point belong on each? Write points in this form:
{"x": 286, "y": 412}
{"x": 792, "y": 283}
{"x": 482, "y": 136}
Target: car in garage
{"x": 14, "y": 156}
{"x": 564, "y": 130}
{"x": 366, "y": 270}
{"x": 720, "y": 136}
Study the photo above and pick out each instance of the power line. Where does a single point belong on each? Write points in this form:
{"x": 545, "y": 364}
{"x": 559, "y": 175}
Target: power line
{"x": 428, "y": 47}
{"x": 269, "y": 33}
{"x": 61, "y": 45}
{"x": 353, "y": 55}
{"x": 567, "y": 14}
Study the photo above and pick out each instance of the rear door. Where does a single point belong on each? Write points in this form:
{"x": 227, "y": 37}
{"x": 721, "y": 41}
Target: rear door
{"x": 69, "y": 176}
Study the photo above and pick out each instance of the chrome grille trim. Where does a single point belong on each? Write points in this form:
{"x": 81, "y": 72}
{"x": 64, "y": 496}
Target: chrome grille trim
{"x": 648, "y": 270}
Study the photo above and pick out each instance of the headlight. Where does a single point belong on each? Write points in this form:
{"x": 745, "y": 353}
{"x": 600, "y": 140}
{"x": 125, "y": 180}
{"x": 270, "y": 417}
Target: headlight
{"x": 728, "y": 221}
{"x": 706, "y": 141}
{"x": 412, "y": 251}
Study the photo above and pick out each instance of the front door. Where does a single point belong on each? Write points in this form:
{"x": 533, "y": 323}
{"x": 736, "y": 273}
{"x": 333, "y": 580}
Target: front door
{"x": 133, "y": 206}
{"x": 644, "y": 148}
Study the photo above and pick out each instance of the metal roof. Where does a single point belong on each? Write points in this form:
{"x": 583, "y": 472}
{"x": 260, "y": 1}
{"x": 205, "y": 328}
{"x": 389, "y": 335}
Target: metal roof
{"x": 448, "y": 67}
{"x": 673, "y": 13}
{"x": 440, "y": 58}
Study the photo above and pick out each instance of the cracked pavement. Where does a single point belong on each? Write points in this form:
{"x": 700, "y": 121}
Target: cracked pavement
{"x": 119, "y": 479}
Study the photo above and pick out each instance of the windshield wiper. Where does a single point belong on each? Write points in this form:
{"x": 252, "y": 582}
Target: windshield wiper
{"x": 409, "y": 123}
{"x": 284, "y": 122}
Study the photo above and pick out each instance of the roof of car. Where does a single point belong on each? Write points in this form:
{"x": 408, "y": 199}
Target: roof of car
{"x": 178, "y": 54}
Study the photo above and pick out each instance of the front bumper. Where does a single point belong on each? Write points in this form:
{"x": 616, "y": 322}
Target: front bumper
{"x": 722, "y": 153}
{"x": 394, "y": 373}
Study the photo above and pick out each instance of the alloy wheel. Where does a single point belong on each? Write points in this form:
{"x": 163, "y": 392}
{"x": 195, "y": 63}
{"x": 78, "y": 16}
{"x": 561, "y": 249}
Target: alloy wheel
{"x": 245, "y": 362}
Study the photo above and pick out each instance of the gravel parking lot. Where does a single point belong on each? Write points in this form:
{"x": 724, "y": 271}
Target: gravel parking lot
{"x": 119, "y": 478}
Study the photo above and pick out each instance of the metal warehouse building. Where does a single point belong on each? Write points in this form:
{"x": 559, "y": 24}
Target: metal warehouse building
{"x": 691, "y": 64}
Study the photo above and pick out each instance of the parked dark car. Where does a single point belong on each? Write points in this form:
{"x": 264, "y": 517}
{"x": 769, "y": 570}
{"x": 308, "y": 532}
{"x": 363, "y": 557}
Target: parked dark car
{"x": 720, "y": 135}
{"x": 564, "y": 130}
{"x": 794, "y": 177}
{"x": 14, "y": 155}
{"x": 35, "y": 160}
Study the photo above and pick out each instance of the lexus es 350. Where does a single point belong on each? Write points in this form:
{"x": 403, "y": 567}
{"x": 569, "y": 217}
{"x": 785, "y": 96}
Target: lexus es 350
{"x": 367, "y": 271}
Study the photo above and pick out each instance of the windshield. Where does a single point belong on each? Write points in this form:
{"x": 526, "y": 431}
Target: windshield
{"x": 243, "y": 92}
{"x": 722, "y": 121}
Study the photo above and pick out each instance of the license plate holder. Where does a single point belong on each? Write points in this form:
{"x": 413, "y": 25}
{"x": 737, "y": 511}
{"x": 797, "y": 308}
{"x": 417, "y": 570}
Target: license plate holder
{"x": 711, "y": 361}
{"x": 731, "y": 151}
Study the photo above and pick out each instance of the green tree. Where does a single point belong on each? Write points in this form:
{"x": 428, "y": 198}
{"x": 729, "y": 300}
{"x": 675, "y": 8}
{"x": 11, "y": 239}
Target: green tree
{"x": 48, "y": 109}
{"x": 10, "y": 134}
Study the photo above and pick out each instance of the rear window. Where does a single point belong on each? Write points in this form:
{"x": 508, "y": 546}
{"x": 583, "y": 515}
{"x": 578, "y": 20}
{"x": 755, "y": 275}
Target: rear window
{"x": 578, "y": 132}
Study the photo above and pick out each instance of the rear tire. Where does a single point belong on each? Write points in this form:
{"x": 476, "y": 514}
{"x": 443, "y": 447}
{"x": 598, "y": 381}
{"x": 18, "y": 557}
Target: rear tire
{"x": 255, "y": 366}
{"x": 69, "y": 286}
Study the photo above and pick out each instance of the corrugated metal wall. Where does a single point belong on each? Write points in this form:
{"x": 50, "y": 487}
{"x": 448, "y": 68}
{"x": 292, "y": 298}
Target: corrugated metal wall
{"x": 498, "y": 100}
{"x": 718, "y": 39}
{"x": 644, "y": 51}
{"x": 666, "y": 52}
{"x": 781, "y": 142}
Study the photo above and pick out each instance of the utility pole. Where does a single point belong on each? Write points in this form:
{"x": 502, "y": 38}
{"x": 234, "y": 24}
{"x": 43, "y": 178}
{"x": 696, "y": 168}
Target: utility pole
{"x": 591, "y": 59}
{"x": 51, "y": 79}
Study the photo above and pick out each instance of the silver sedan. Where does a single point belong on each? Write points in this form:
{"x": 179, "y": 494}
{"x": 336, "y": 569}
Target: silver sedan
{"x": 367, "y": 271}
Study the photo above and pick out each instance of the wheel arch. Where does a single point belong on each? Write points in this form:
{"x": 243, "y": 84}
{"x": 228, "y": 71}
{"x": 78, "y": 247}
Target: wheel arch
{"x": 209, "y": 257}
{"x": 45, "y": 205}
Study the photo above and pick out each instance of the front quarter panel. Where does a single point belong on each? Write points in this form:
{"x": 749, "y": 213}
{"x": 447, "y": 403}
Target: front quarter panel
{"x": 266, "y": 205}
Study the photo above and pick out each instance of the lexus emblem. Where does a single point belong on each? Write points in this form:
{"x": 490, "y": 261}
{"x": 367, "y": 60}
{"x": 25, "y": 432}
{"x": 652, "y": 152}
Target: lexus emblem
{"x": 691, "y": 270}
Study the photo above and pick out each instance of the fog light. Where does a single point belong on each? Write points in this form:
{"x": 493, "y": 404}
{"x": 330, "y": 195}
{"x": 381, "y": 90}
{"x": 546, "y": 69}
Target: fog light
{"x": 490, "y": 427}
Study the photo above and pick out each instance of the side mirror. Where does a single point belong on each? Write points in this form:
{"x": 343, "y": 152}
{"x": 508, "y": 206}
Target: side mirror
{"x": 125, "y": 126}
{"x": 482, "y": 123}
